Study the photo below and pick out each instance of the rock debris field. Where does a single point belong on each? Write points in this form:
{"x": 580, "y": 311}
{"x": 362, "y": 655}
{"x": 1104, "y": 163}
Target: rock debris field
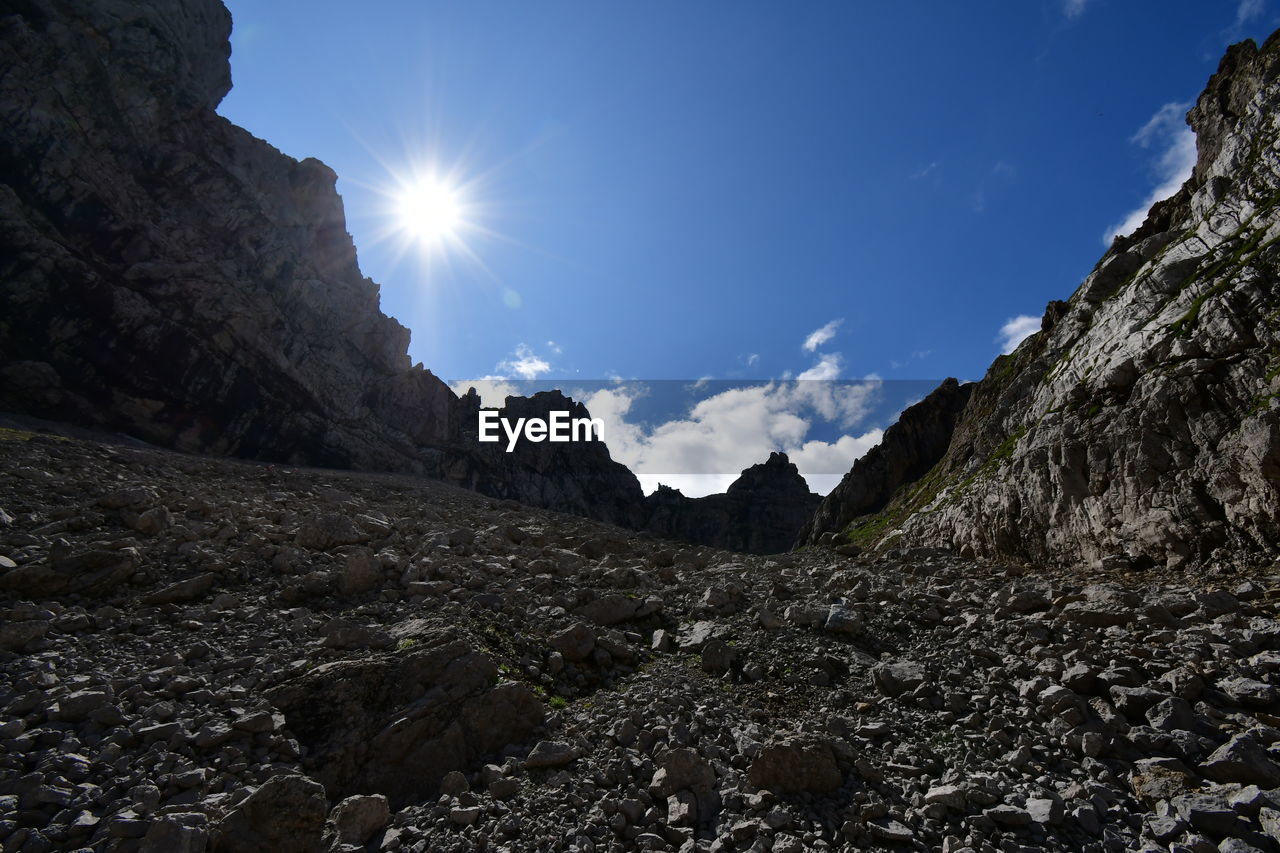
{"x": 209, "y": 655}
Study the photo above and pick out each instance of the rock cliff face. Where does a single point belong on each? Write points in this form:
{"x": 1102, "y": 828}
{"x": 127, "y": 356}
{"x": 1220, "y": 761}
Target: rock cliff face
{"x": 168, "y": 275}
{"x": 905, "y": 453}
{"x": 1142, "y": 424}
{"x": 762, "y": 512}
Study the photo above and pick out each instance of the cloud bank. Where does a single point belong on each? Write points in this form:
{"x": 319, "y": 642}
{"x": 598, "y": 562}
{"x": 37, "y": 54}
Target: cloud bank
{"x": 704, "y": 451}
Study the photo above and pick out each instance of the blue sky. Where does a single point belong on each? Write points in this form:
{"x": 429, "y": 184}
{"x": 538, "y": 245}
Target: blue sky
{"x": 675, "y": 190}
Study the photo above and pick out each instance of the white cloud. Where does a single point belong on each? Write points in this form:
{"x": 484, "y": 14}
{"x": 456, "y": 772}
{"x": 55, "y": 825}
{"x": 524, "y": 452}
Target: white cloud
{"x": 1166, "y": 131}
{"x": 524, "y": 363}
{"x": 1248, "y": 10}
{"x": 827, "y": 368}
{"x": 1016, "y": 330}
{"x": 820, "y": 336}
{"x": 704, "y": 451}
{"x": 925, "y": 172}
{"x": 819, "y": 461}
{"x": 493, "y": 390}
{"x": 1074, "y": 8}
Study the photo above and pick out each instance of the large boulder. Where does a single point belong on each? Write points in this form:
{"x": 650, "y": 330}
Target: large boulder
{"x": 796, "y": 764}
{"x": 396, "y": 723}
{"x": 285, "y": 815}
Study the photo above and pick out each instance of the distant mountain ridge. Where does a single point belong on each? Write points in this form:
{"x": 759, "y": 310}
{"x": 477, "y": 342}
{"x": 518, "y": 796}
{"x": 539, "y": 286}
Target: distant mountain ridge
{"x": 762, "y": 512}
{"x": 1141, "y": 426}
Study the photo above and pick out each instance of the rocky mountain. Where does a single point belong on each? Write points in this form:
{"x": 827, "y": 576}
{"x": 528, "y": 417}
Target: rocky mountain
{"x": 577, "y": 477}
{"x": 167, "y": 275}
{"x": 1141, "y": 426}
{"x": 906, "y": 452}
{"x": 762, "y": 512}
{"x": 205, "y": 655}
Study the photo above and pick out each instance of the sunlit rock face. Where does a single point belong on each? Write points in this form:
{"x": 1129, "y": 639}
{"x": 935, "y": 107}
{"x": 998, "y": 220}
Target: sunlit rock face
{"x": 1142, "y": 425}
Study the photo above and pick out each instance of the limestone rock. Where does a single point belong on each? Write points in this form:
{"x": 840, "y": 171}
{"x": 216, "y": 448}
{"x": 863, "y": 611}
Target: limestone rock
{"x": 1242, "y": 759}
{"x": 1141, "y": 426}
{"x": 351, "y": 714}
{"x": 797, "y": 764}
{"x": 285, "y": 815}
{"x": 357, "y": 818}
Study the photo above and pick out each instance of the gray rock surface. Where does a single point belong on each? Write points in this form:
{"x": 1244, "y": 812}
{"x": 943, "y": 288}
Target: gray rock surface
{"x": 762, "y": 512}
{"x": 958, "y": 705}
{"x": 1141, "y": 426}
{"x": 396, "y": 725}
{"x": 285, "y": 815}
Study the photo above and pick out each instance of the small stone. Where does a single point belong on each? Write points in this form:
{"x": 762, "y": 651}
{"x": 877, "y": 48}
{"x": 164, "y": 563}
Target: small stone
{"x": 465, "y": 815}
{"x": 1006, "y": 815}
{"x": 897, "y": 677}
{"x": 680, "y": 769}
{"x": 550, "y": 754}
{"x": 454, "y": 783}
{"x": 575, "y": 642}
{"x": 951, "y": 796}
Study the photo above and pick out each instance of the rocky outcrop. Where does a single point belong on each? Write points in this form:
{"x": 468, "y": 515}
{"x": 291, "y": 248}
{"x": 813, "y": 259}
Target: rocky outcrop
{"x": 1141, "y": 426}
{"x": 578, "y": 477}
{"x": 906, "y": 452}
{"x": 165, "y": 274}
{"x": 168, "y": 275}
{"x": 762, "y": 512}
{"x": 396, "y": 724}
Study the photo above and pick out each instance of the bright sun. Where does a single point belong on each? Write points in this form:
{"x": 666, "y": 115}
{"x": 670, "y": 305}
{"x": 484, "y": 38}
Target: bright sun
{"x": 430, "y": 210}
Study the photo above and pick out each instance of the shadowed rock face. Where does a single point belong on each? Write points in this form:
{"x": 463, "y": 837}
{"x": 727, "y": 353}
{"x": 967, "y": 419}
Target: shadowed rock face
{"x": 168, "y": 275}
{"x": 165, "y": 274}
{"x": 396, "y": 724}
{"x": 761, "y": 513}
{"x": 905, "y": 453}
{"x": 1141, "y": 426}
